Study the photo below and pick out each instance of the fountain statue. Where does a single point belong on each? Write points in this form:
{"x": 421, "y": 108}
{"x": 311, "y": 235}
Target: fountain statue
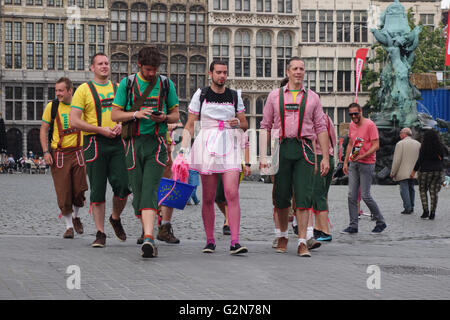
{"x": 397, "y": 96}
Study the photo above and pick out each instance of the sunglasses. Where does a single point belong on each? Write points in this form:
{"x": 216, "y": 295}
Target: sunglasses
{"x": 354, "y": 114}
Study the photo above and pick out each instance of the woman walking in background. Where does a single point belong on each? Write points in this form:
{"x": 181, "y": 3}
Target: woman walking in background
{"x": 430, "y": 168}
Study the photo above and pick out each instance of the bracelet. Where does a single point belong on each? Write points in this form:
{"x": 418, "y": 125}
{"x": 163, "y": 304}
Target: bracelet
{"x": 134, "y": 115}
{"x": 47, "y": 152}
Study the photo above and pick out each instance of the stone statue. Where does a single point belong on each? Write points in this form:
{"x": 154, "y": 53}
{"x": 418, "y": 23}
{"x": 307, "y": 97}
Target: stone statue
{"x": 397, "y": 95}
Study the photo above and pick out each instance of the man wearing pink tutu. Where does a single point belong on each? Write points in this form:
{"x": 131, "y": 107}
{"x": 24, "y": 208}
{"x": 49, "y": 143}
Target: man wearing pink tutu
{"x": 217, "y": 149}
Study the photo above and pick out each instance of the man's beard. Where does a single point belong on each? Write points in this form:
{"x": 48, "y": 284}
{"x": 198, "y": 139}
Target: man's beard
{"x": 220, "y": 85}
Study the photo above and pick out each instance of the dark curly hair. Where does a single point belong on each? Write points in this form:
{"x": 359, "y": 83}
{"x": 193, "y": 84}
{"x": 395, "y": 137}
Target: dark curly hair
{"x": 432, "y": 145}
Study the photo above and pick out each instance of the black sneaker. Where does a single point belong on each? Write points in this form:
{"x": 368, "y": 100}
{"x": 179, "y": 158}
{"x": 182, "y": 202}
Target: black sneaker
{"x": 149, "y": 249}
{"x": 237, "y": 249}
{"x": 406, "y": 212}
{"x": 140, "y": 240}
{"x": 350, "y": 230}
{"x": 317, "y": 233}
{"x": 210, "y": 248}
{"x": 324, "y": 237}
{"x": 379, "y": 228}
{"x": 226, "y": 230}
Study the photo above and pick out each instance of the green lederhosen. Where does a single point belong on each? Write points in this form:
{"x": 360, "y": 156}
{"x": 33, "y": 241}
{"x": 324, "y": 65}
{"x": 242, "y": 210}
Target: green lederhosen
{"x": 105, "y": 161}
{"x": 105, "y": 158}
{"x": 146, "y": 157}
{"x": 321, "y": 186}
{"x": 296, "y": 163}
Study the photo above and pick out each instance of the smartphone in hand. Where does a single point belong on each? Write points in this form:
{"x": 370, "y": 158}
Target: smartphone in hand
{"x": 156, "y": 113}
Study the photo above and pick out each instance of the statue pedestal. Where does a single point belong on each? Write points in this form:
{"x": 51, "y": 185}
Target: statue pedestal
{"x": 388, "y": 139}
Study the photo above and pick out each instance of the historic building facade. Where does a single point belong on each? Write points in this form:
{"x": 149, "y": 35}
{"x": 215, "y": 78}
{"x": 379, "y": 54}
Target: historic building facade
{"x": 42, "y": 40}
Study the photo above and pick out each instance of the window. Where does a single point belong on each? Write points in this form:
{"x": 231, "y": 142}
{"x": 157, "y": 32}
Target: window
{"x": 13, "y": 103}
{"x": 330, "y": 112}
{"x": 263, "y": 54}
{"x": 35, "y": 102}
{"x": 284, "y": 52}
{"x": 220, "y": 5}
{"x": 284, "y": 6}
{"x": 344, "y": 75}
{"x": 55, "y": 50}
{"x": 325, "y": 25}
{"x": 18, "y": 31}
{"x": 119, "y": 67}
{"x": 427, "y": 20}
{"x": 80, "y": 56}
{"x": 163, "y": 66}
{"x": 260, "y": 102}
{"x": 360, "y": 26}
{"x": 242, "y": 5}
{"x": 96, "y": 3}
{"x": 264, "y": 5}
{"x": 178, "y": 70}
{"x": 343, "y": 25}
{"x": 197, "y": 25}
{"x": 308, "y": 26}
{"x": 343, "y": 115}
{"x": 96, "y": 36}
{"x": 119, "y": 12}
{"x": 158, "y": 23}
{"x": 76, "y": 48}
{"x": 177, "y": 24}
{"x": 221, "y": 42}
{"x": 197, "y": 73}
{"x": 139, "y": 22}
{"x": 242, "y": 54}
{"x": 326, "y": 74}
{"x": 310, "y": 73}
{"x": 247, "y": 105}
{"x": 30, "y": 55}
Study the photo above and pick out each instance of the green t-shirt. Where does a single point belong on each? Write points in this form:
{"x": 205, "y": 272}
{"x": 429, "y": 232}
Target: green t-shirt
{"x": 147, "y": 126}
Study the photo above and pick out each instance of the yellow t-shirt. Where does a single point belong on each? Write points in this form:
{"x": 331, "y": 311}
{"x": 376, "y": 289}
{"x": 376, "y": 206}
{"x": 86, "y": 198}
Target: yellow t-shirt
{"x": 83, "y": 100}
{"x": 63, "y": 113}
{"x": 294, "y": 94}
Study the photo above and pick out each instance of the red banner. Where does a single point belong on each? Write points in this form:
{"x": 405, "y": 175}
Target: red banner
{"x": 360, "y": 59}
{"x": 447, "y": 50}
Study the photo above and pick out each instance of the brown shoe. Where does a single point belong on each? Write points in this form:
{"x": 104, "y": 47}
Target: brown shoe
{"x": 118, "y": 228}
{"x": 302, "y": 250}
{"x": 282, "y": 245}
{"x": 100, "y": 240}
{"x": 313, "y": 244}
{"x": 77, "y": 225}
{"x": 68, "y": 234}
{"x": 165, "y": 233}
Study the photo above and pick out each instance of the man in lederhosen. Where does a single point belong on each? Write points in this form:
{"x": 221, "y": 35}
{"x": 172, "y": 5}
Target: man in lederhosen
{"x": 103, "y": 147}
{"x": 64, "y": 156}
{"x": 297, "y": 114}
{"x": 146, "y": 108}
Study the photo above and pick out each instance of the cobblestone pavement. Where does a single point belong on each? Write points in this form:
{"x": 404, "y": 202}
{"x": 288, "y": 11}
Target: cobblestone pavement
{"x": 412, "y": 255}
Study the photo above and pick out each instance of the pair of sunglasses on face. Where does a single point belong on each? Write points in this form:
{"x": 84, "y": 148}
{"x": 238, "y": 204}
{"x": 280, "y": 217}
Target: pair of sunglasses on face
{"x": 354, "y": 114}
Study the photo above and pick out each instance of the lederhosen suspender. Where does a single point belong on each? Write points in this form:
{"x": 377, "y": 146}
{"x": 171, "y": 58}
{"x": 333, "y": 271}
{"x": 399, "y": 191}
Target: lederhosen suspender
{"x": 60, "y": 151}
{"x": 100, "y": 104}
{"x": 305, "y": 143}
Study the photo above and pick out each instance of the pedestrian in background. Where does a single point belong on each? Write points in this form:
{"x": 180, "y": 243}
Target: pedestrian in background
{"x": 405, "y": 157}
{"x": 430, "y": 168}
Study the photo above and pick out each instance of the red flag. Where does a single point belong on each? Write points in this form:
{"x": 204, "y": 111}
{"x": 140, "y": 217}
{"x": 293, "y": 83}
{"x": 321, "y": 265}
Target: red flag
{"x": 360, "y": 59}
{"x": 447, "y": 50}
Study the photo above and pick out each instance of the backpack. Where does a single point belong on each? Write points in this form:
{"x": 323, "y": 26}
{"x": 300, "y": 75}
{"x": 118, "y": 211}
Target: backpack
{"x": 203, "y": 97}
{"x": 55, "y": 105}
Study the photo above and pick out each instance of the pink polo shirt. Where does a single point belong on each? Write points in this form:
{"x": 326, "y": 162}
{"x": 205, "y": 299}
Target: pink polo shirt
{"x": 313, "y": 121}
{"x": 367, "y": 131}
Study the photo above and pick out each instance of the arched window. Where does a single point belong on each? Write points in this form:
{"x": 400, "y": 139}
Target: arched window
{"x": 14, "y": 142}
{"x": 197, "y": 73}
{"x": 178, "y": 66}
{"x": 119, "y": 67}
{"x": 197, "y": 25}
{"x": 163, "y": 66}
{"x": 158, "y": 17}
{"x": 221, "y": 43}
{"x": 33, "y": 142}
{"x": 139, "y": 22}
{"x": 284, "y": 52}
{"x": 247, "y": 105}
{"x": 178, "y": 24}
{"x": 242, "y": 54}
{"x": 119, "y": 13}
{"x": 263, "y": 54}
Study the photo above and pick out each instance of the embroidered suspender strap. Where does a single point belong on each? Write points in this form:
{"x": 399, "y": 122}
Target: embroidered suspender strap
{"x": 65, "y": 132}
{"x": 301, "y": 114}
{"x": 138, "y": 101}
{"x": 98, "y": 103}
